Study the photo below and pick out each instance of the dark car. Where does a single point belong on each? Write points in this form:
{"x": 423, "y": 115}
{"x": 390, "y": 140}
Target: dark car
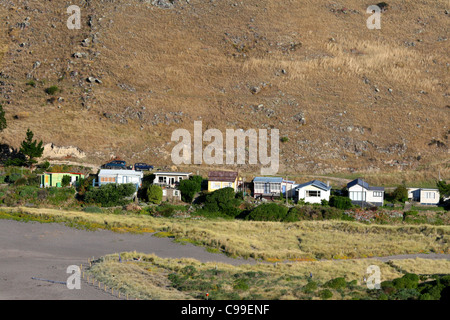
{"x": 142, "y": 166}
{"x": 116, "y": 164}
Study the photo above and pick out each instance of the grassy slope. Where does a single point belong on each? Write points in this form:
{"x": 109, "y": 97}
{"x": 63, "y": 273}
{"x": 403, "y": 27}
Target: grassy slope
{"x": 148, "y": 278}
{"x": 191, "y": 59}
{"x": 271, "y": 241}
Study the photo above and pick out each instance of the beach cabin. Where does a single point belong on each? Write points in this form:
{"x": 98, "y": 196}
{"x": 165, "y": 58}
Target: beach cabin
{"x": 313, "y": 191}
{"x": 54, "y": 179}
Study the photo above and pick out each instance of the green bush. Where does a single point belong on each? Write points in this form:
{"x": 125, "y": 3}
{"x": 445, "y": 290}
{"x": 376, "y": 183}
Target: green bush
{"x": 317, "y": 212}
{"x": 59, "y": 196}
{"x": 445, "y": 280}
{"x": 28, "y": 192}
{"x": 383, "y": 296}
{"x": 15, "y": 162}
{"x": 269, "y": 212}
{"x": 188, "y": 189}
{"x": 400, "y": 194}
{"x": 31, "y": 83}
{"x": 310, "y": 287}
{"x": 408, "y": 281}
{"x": 340, "y": 202}
{"x": 65, "y": 181}
{"x": 22, "y": 181}
{"x": 337, "y": 283}
{"x": 111, "y": 194}
{"x": 222, "y": 202}
{"x": 241, "y": 284}
{"x": 154, "y": 194}
{"x": 325, "y": 294}
{"x": 52, "y": 90}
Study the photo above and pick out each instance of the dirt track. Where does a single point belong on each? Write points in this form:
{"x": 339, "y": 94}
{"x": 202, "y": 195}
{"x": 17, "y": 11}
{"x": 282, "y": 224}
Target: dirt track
{"x": 44, "y": 251}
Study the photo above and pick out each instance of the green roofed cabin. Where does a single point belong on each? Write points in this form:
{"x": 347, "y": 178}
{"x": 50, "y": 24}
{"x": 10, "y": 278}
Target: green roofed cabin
{"x": 53, "y": 179}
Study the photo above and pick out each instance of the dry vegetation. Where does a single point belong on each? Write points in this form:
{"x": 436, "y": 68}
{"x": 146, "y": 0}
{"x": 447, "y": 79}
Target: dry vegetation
{"x": 270, "y": 241}
{"x": 162, "y": 69}
{"x": 145, "y": 276}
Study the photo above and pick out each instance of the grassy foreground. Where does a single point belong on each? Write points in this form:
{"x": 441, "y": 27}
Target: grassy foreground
{"x": 150, "y": 277}
{"x": 270, "y": 241}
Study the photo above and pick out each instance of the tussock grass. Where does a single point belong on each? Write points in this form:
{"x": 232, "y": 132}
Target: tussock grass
{"x": 306, "y": 240}
{"x": 423, "y": 266}
{"x": 148, "y": 276}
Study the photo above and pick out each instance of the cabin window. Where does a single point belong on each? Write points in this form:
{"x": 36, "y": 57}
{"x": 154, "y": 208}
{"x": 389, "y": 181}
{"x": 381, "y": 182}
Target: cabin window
{"x": 377, "y": 194}
{"x": 215, "y": 185}
{"x": 312, "y": 193}
{"x": 429, "y": 195}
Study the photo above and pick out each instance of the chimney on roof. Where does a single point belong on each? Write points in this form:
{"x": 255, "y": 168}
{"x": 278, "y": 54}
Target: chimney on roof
{"x": 328, "y": 183}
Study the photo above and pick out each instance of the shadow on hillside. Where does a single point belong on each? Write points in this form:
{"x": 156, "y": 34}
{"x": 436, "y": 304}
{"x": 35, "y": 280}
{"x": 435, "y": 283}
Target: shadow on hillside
{"x": 8, "y": 154}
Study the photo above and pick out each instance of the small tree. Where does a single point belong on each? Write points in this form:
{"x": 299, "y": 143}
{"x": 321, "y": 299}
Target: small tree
{"x": 31, "y": 149}
{"x": 400, "y": 194}
{"x": 65, "y": 181}
{"x": 444, "y": 189}
{"x": 154, "y": 194}
{"x": 188, "y": 189}
{"x": 223, "y": 201}
{"x": 340, "y": 202}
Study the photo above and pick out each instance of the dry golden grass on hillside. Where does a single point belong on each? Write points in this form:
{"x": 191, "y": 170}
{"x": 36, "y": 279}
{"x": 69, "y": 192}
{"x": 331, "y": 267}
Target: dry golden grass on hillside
{"x": 202, "y": 59}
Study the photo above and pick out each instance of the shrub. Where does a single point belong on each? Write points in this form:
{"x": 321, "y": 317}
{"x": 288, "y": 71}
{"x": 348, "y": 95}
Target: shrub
{"x": 284, "y": 139}
{"x": 400, "y": 194}
{"x": 52, "y": 90}
{"x": 44, "y": 165}
{"x": 21, "y": 181}
{"x": 65, "y": 181}
{"x": 14, "y": 162}
{"x": 340, "y": 202}
{"x": 337, "y": 283}
{"x": 383, "y": 296}
{"x": 223, "y": 201}
{"x": 189, "y": 271}
{"x": 408, "y": 281}
{"x": 445, "y": 280}
{"x": 31, "y": 83}
{"x": 110, "y": 194}
{"x": 154, "y": 194}
{"x": 310, "y": 287}
{"x": 325, "y": 294}
{"x": 313, "y": 213}
{"x": 241, "y": 284}
{"x": 268, "y": 212}
{"x": 188, "y": 189}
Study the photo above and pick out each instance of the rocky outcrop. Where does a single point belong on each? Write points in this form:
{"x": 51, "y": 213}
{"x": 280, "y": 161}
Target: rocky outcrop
{"x": 54, "y": 152}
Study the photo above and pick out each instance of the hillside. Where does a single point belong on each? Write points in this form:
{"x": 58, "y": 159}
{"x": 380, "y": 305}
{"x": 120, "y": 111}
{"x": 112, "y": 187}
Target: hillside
{"x": 347, "y": 98}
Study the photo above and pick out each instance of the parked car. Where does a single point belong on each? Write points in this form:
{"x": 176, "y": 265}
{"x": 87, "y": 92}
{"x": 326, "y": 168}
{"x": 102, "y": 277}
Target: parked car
{"x": 116, "y": 164}
{"x": 142, "y": 166}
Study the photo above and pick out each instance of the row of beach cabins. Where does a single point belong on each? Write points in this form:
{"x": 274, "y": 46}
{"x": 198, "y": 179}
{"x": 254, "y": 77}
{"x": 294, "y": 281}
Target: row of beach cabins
{"x": 359, "y": 191}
